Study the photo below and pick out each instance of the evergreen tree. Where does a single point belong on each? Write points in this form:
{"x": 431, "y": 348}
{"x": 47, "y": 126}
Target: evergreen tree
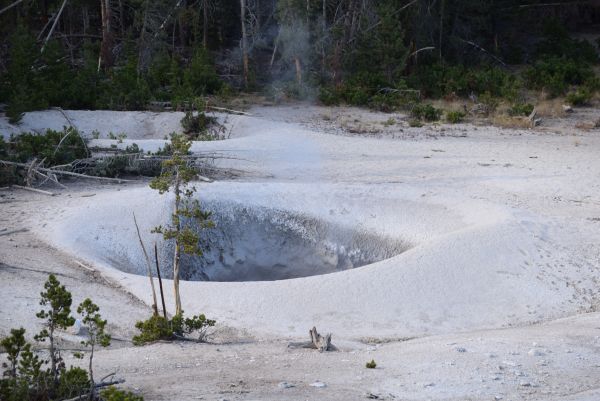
{"x": 56, "y": 314}
{"x": 96, "y": 335}
{"x": 177, "y": 175}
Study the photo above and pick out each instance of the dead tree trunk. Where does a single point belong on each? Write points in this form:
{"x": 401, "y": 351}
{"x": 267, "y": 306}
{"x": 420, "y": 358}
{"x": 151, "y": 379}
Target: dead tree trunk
{"x": 105, "y": 58}
{"x": 162, "y": 295}
{"x": 245, "y": 61}
{"x": 177, "y": 253}
{"x": 298, "y": 70}
{"x": 149, "y": 266}
{"x": 205, "y": 24}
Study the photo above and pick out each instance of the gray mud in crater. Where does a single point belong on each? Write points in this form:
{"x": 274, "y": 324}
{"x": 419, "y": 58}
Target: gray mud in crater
{"x": 261, "y": 244}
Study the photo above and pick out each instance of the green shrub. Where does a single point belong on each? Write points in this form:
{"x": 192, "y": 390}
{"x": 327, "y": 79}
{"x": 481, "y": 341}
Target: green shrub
{"x": 455, "y": 117}
{"x": 580, "y": 97}
{"x": 329, "y": 96}
{"x": 73, "y": 382}
{"x": 154, "y": 329}
{"x": 555, "y": 75}
{"x": 521, "y": 109}
{"x": 489, "y": 102}
{"x": 158, "y": 328}
{"x": 27, "y": 146}
{"x": 114, "y": 394}
{"x": 415, "y": 123}
{"x": 371, "y": 365}
{"x": 200, "y": 76}
{"x": 426, "y": 112}
{"x": 198, "y": 325}
{"x": 557, "y": 43}
{"x": 438, "y": 81}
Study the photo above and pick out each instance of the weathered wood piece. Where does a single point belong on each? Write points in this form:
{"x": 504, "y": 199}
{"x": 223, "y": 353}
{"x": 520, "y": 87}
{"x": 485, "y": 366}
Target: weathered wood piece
{"x": 317, "y": 341}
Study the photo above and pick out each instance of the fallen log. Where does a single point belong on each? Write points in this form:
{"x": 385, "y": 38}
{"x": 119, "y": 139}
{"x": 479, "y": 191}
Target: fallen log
{"x": 34, "y": 190}
{"x": 243, "y": 113}
{"x": 5, "y": 232}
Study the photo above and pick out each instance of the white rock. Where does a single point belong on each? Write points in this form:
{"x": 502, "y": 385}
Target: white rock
{"x": 318, "y": 384}
{"x": 76, "y": 328}
{"x": 535, "y": 352}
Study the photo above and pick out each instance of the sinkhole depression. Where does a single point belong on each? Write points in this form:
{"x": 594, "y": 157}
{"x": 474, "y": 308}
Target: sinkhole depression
{"x": 261, "y": 244}
{"x": 256, "y": 243}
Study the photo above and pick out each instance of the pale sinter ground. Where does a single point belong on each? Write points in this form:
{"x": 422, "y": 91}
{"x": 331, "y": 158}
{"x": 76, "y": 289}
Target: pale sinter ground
{"x": 496, "y": 298}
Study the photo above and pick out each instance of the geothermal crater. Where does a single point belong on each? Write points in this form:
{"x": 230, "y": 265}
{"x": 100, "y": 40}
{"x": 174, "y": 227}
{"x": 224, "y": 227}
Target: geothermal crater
{"x": 251, "y": 243}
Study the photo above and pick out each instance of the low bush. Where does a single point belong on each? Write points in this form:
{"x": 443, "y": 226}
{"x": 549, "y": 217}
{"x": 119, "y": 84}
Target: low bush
{"x": 371, "y": 365}
{"x": 114, "y": 394}
{"x": 425, "y": 112}
{"x": 579, "y": 97}
{"x": 555, "y": 75}
{"x": 158, "y": 328}
{"x": 455, "y": 117}
{"x": 24, "y": 147}
{"x": 521, "y": 109}
{"x": 154, "y": 329}
{"x": 198, "y": 325}
{"x": 437, "y": 81}
{"x": 489, "y": 102}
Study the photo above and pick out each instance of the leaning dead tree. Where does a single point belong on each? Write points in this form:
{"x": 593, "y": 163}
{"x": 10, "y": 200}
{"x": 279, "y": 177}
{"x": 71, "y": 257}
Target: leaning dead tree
{"x": 317, "y": 341}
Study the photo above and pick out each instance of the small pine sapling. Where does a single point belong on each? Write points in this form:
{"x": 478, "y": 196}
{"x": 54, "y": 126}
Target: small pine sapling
{"x": 197, "y": 324}
{"x": 176, "y": 176}
{"x": 56, "y": 301}
{"x": 13, "y": 345}
{"x": 371, "y": 365}
{"x": 96, "y": 334}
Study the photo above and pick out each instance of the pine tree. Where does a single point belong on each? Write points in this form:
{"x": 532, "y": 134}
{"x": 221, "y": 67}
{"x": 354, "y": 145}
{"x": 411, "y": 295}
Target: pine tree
{"x": 176, "y": 176}
{"x": 96, "y": 334}
{"x": 57, "y": 315}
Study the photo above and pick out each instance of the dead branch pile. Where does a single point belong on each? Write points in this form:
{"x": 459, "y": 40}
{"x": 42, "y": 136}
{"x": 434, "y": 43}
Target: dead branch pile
{"x": 112, "y": 165}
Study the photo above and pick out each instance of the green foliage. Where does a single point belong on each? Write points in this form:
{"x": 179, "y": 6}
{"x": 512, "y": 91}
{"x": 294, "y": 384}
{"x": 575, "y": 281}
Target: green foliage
{"x": 176, "y": 176}
{"x": 25, "y": 378}
{"x": 455, "y": 117}
{"x": 371, "y": 365}
{"x": 154, "y": 329}
{"x": 489, "y": 101}
{"x": 521, "y": 109}
{"x": 94, "y": 323}
{"x": 56, "y": 313}
{"x": 425, "y": 112}
{"x": 199, "y": 126}
{"x": 158, "y": 328}
{"x": 13, "y": 345}
{"x": 198, "y": 325}
{"x": 382, "y": 50}
{"x": 72, "y": 383}
{"x": 580, "y": 97}
{"x": 557, "y": 43}
{"x": 456, "y": 80}
{"x": 555, "y": 75}
{"x": 26, "y": 146}
{"x": 200, "y": 76}
{"x": 114, "y": 394}
{"x": 369, "y": 89}
{"x": 124, "y": 89}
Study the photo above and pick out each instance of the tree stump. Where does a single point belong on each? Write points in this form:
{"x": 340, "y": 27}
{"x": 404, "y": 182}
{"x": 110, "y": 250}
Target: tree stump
{"x": 317, "y": 341}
